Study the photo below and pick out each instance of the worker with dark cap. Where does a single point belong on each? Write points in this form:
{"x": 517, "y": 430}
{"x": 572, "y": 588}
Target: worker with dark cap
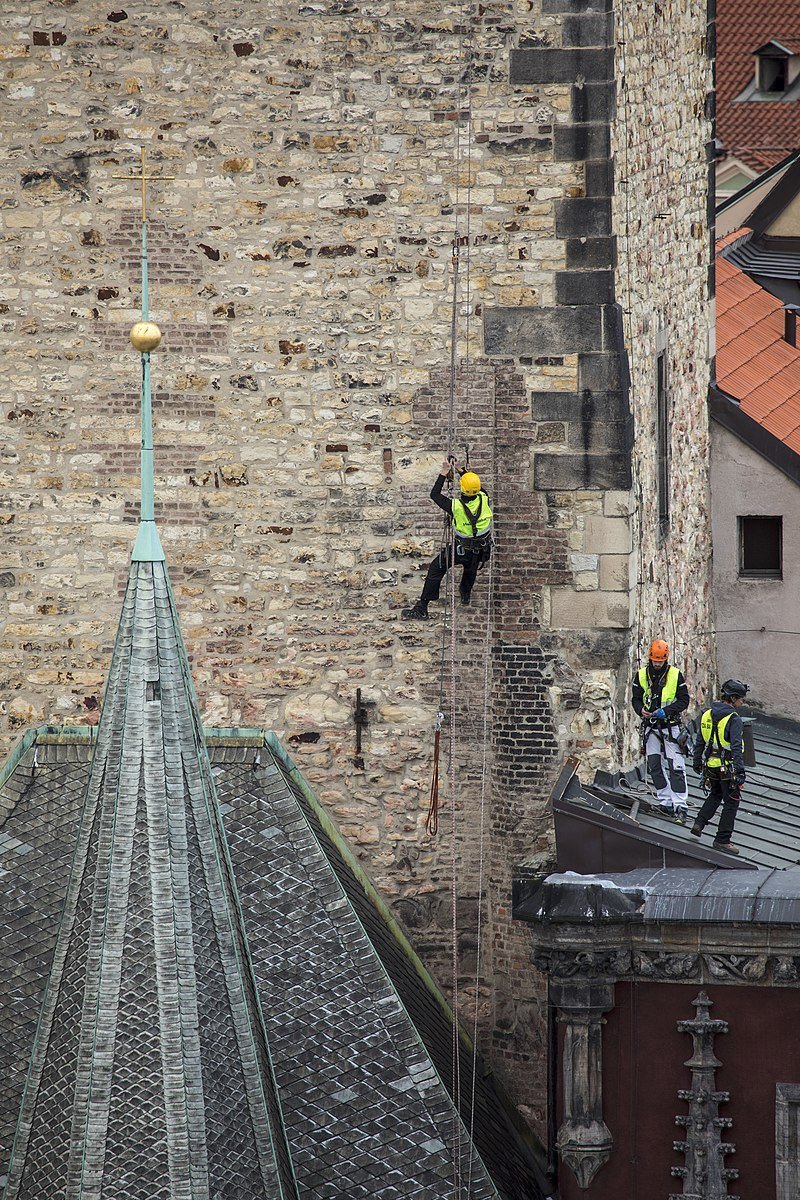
{"x": 660, "y": 695}
{"x": 471, "y": 519}
{"x": 719, "y": 758}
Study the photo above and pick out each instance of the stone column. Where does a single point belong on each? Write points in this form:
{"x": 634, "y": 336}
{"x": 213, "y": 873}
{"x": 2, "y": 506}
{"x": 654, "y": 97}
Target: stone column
{"x": 584, "y": 1140}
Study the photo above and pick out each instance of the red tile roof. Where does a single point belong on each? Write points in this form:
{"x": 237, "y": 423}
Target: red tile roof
{"x": 759, "y": 132}
{"x": 755, "y": 364}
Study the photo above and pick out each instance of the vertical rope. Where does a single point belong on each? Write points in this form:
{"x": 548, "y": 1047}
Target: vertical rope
{"x": 456, "y": 1065}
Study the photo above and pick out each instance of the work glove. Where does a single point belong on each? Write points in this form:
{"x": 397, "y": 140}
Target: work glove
{"x": 660, "y": 715}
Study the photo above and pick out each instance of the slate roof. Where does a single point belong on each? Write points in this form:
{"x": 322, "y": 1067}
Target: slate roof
{"x": 767, "y": 824}
{"x": 365, "y": 1112}
{"x": 759, "y": 132}
{"x": 755, "y": 364}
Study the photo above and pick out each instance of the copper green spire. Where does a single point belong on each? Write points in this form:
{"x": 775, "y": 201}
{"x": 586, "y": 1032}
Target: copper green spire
{"x": 146, "y": 336}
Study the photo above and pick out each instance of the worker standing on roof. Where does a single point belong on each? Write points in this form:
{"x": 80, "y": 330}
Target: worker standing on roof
{"x": 660, "y": 695}
{"x": 471, "y": 518}
{"x": 718, "y": 756}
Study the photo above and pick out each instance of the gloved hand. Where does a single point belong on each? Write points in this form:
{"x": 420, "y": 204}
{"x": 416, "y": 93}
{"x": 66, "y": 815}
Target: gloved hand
{"x": 660, "y": 715}
{"x": 739, "y": 781}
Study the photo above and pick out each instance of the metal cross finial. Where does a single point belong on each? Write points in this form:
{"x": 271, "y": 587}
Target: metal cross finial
{"x": 145, "y": 178}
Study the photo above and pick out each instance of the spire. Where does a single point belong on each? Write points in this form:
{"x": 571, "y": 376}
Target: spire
{"x": 705, "y": 1176}
{"x": 151, "y": 1076}
{"x": 145, "y": 337}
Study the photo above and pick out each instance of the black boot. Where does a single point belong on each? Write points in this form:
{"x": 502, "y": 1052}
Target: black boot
{"x": 418, "y": 612}
{"x": 465, "y": 597}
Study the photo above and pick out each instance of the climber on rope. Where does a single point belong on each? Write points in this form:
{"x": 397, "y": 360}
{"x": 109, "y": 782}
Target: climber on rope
{"x": 471, "y": 520}
{"x": 660, "y": 695}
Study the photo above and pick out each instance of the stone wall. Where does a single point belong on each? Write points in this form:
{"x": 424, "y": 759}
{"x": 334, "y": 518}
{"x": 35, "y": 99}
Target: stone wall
{"x": 323, "y": 158}
{"x": 662, "y": 140}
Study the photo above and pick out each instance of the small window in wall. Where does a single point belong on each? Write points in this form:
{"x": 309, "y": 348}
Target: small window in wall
{"x": 662, "y": 443}
{"x": 787, "y": 1140}
{"x": 760, "y": 547}
{"x": 772, "y": 74}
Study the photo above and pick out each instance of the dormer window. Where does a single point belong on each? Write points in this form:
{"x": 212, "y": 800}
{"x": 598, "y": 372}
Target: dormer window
{"x": 773, "y": 74}
{"x": 777, "y": 73}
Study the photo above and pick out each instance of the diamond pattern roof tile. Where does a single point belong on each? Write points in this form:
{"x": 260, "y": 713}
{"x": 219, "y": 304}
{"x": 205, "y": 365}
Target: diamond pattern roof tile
{"x": 366, "y": 1112}
{"x": 150, "y": 1072}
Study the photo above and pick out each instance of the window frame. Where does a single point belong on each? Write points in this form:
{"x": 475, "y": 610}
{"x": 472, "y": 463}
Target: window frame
{"x": 781, "y": 65}
{"x": 787, "y": 1134}
{"x": 755, "y": 572}
{"x": 663, "y": 457}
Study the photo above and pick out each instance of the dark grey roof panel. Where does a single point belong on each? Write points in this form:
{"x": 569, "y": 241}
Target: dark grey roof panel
{"x": 364, "y": 1108}
{"x": 673, "y": 895}
{"x": 768, "y": 821}
{"x": 505, "y": 1144}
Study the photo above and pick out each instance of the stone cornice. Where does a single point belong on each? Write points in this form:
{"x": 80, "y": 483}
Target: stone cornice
{"x": 654, "y": 965}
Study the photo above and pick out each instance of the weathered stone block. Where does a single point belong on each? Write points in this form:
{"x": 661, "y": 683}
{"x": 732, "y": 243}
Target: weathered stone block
{"x": 587, "y": 29}
{"x": 572, "y": 143}
{"x": 578, "y": 406}
{"x": 591, "y": 252}
{"x": 595, "y": 436}
{"x": 540, "y": 331}
{"x": 576, "y": 6}
{"x": 589, "y": 650}
{"x": 617, "y": 504}
{"x": 607, "y": 535}
{"x": 615, "y": 572}
{"x": 593, "y": 101}
{"x": 588, "y": 610}
{"x": 565, "y": 472}
{"x": 599, "y": 372}
{"x": 599, "y": 177}
{"x": 584, "y": 287}
{"x": 582, "y": 217}
{"x": 553, "y": 65}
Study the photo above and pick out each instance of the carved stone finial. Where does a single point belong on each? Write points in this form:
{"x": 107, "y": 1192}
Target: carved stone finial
{"x": 704, "y": 1177}
{"x": 584, "y": 1140}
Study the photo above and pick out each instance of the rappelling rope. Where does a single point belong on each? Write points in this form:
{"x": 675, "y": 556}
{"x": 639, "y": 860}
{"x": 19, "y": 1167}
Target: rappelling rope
{"x": 487, "y": 641}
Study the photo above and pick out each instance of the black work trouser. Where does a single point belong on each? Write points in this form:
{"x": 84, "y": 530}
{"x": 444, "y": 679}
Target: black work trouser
{"x": 469, "y": 559}
{"x": 724, "y": 792}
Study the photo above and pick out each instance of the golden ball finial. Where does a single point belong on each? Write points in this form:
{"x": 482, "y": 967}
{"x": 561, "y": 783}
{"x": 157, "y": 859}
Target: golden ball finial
{"x": 145, "y": 336}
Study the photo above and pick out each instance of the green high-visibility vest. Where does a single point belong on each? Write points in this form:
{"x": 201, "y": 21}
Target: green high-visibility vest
{"x": 721, "y": 740}
{"x": 668, "y": 692}
{"x": 478, "y": 507}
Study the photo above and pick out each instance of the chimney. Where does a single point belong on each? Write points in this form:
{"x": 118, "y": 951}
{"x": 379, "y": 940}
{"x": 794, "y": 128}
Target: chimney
{"x": 790, "y": 323}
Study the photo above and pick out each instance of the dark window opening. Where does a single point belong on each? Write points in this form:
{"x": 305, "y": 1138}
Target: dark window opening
{"x": 772, "y": 74}
{"x": 152, "y": 689}
{"x": 662, "y": 443}
{"x": 761, "y": 547}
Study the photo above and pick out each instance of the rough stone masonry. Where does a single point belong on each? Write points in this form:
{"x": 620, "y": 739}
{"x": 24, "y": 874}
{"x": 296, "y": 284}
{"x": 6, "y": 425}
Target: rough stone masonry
{"x": 324, "y": 153}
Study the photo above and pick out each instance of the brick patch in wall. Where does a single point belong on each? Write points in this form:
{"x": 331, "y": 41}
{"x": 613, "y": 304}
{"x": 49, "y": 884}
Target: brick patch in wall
{"x": 120, "y": 460}
{"x": 170, "y": 513}
{"x": 176, "y": 405}
{"x": 184, "y": 337}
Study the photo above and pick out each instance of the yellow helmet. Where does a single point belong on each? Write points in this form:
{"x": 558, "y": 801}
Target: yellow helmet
{"x": 470, "y": 483}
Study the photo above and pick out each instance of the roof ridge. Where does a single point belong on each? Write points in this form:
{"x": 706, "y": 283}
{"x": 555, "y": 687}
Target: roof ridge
{"x": 151, "y": 985}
